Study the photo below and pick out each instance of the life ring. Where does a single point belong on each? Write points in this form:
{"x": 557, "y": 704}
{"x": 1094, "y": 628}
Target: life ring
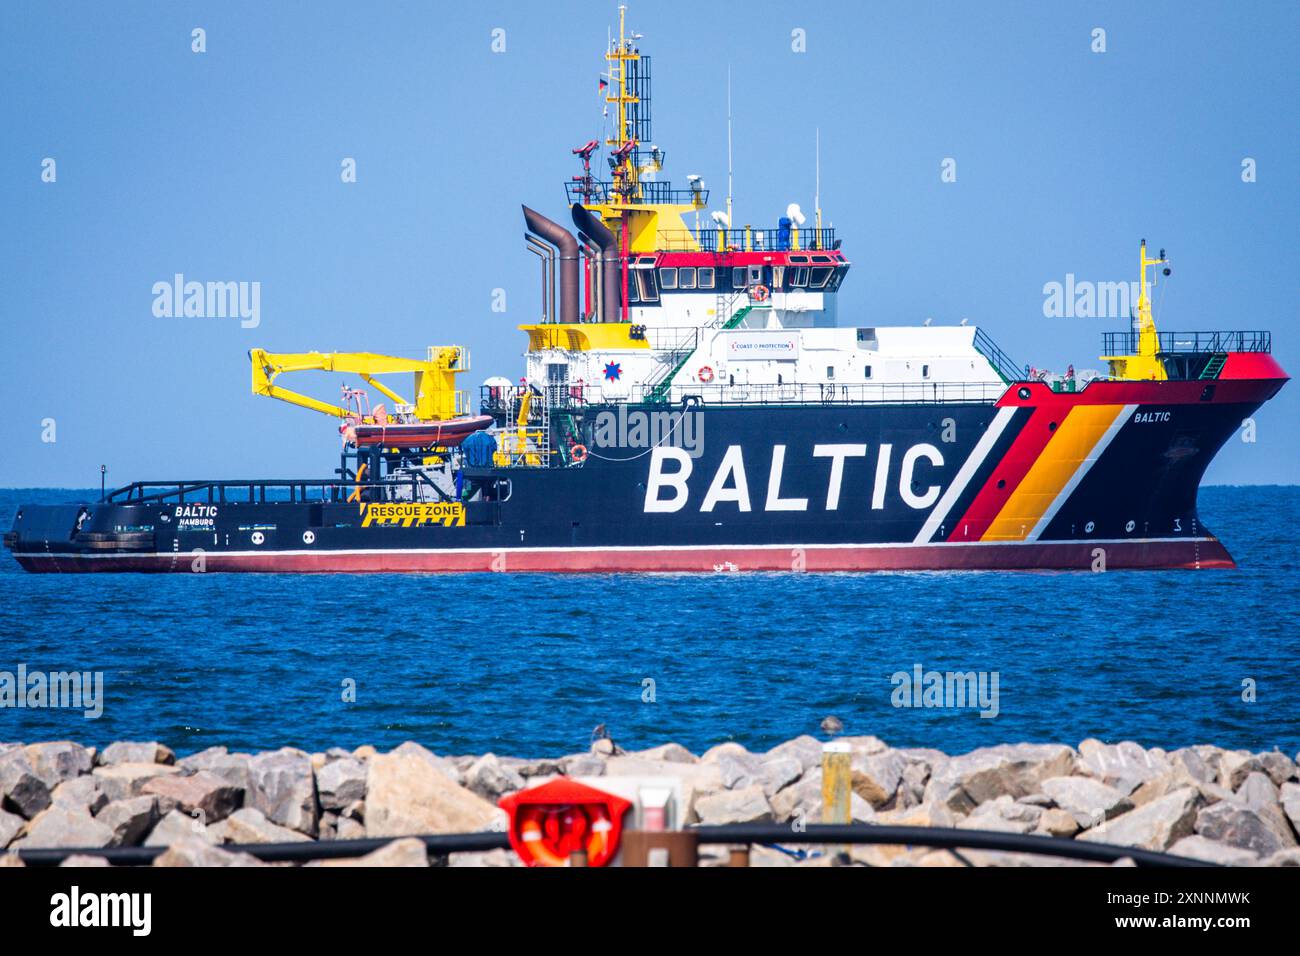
{"x": 760, "y": 293}
{"x": 579, "y": 453}
{"x": 705, "y": 374}
{"x": 588, "y": 829}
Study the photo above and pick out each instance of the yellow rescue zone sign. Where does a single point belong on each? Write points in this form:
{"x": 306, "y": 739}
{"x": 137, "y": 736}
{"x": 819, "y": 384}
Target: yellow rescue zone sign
{"x": 446, "y": 513}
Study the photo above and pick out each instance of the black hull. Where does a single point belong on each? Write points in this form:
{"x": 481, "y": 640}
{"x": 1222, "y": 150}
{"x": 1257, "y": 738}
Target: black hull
{"x": 972, "y": 486}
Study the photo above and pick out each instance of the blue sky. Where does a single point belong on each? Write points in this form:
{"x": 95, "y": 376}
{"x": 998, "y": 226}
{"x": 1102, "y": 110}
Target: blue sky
{"x": 225, "y": 165}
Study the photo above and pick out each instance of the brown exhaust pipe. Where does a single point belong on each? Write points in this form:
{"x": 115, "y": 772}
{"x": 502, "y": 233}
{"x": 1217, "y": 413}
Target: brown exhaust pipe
{"x": 563, "y": 240}
{"x": 599, "y": 233}
{"x": 595, "y": 287}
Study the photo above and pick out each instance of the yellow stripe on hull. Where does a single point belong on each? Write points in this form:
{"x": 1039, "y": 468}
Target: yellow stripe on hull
{"x": 1075, "y": 438}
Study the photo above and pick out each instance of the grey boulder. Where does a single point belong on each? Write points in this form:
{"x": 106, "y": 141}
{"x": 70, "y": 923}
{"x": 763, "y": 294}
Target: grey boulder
{"x": 491, "y": 779}
{"x": 748, "y": 805}
{"x": 21, "y": 788}
{"x": 59, "y": 826}
{"x": 282, "y": 785}
{"x": 131, "y": 751}
{"x": 247, "y": 825}
{"x": 1154, "y": 826}
{"x": 1262, "y": 830}
{"x": 202, "y": 793}
{"x": 82, "y": 793}
{"x": 341, "y": 782}
{"x": 125, "y": 780}
{"x": 59, "y": 760}
{"x": 130, "y": 819}
{"x": 1088, "y": 800}
{"x": 1016, "y": 770}
{"x": 193, "y": 851}
{"x": 175, "y": 827}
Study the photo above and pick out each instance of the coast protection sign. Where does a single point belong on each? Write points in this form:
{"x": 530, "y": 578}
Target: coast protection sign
{"x": 776, "y": 344}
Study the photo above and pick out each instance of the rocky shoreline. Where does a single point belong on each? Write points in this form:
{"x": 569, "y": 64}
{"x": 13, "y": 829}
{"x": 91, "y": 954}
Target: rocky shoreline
{"x": 1221, "y": 806}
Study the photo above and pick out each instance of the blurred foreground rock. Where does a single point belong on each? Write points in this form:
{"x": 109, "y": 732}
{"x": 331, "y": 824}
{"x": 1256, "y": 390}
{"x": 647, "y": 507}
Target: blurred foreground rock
{"x": 1220, "y": 806}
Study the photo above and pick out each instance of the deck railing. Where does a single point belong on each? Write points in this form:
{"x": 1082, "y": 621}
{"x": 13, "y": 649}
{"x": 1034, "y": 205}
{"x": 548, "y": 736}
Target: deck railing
{"x": 828, "y": 393}
{"x": 1126, "y": 343}
{"x": 659, "y": 191}
{"x": 1002, "y": 363}
{"x": 804, "y": 239}
{"x": 271, "y": 491}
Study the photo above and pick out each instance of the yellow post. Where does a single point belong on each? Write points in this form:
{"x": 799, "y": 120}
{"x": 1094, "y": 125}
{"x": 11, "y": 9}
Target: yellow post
{"x": 1145, "y": 364}
{"x": 1148, "y": 340}
{"x": 837, "y": 782}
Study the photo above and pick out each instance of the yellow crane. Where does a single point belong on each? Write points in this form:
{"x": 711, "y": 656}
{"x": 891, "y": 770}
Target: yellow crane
{"x": 436, "y": 395}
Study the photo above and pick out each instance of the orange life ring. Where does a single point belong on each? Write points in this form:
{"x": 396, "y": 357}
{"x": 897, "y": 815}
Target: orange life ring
{"x": 760, "y": 293}
{"x": 589, "y": 829}
{"x": 705, "y": 374}
{"x": 579, "y": 453}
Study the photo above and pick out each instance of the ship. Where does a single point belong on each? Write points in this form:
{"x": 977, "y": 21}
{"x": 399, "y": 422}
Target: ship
{"x": 690, "y": 402}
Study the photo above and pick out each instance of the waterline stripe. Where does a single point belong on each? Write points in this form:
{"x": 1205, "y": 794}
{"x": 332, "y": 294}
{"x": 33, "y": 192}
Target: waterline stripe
{"x": 881, "y": 545}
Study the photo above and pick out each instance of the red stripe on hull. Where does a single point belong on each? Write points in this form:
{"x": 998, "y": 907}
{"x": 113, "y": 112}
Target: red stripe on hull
{"x": 1252, "y": 377}
{"x": 1074, "y": 556}
{"x": 1011, "y": 470}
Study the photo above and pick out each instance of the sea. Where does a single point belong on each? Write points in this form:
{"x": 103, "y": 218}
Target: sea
{"x": 530, "y": 665}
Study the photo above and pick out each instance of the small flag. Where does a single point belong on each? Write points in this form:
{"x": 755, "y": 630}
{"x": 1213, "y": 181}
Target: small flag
{"x": 603, "y": 84}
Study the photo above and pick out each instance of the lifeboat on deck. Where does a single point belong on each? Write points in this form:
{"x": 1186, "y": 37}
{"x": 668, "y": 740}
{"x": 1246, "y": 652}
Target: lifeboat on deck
{"x": 445, "y": 434}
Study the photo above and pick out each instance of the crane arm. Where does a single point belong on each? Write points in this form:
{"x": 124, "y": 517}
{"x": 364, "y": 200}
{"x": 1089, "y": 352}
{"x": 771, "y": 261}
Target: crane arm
{"x": 436, "y": 396}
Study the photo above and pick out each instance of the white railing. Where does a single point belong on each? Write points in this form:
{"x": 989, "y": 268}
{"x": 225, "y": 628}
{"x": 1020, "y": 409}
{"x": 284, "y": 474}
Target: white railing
{"x": 829, "y": 393}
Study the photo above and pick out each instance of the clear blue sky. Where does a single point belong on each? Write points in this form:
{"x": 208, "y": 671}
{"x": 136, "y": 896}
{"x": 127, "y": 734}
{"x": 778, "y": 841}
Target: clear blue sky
{"x": 225, "y": 166}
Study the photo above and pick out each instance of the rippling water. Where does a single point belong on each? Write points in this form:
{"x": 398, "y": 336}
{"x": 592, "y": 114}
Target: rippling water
{"x": 527, "y": 665}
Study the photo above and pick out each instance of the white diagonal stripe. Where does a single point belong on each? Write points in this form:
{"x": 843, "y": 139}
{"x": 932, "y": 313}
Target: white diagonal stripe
{"x": 964, "y": 475}
{"x": 1084, "y": 467}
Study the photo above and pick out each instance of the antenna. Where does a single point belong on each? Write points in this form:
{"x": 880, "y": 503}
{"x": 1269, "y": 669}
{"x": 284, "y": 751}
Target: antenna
{"x": 817, "y": 194}
{"x": 729, "y": 219}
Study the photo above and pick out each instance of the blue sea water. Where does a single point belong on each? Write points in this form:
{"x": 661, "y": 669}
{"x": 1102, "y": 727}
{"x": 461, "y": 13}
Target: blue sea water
{"x": 528, "y": 665}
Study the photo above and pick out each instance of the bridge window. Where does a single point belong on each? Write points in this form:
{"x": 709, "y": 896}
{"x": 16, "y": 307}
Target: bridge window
{"x": 738, "y": 277}
{"x": 645, "y": 285}
{"x": 799, "y": 277}
{"x": 668, "y": 278}
{"x": 686, "y": 278}
{"x": 819, "y": 278}
{"x": 706, "y": 277}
